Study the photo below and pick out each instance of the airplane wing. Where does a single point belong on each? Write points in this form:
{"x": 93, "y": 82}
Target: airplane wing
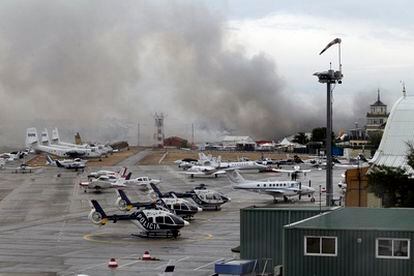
{"x": 291, "y": 171}
{"x": 118, "y": 185}
{"x": 194, "y": 173}
{"x": 275, "y": 192}
{"x": 220, "y": 172}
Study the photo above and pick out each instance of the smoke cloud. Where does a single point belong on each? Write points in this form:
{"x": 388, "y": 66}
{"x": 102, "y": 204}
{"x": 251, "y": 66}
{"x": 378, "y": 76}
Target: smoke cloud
{"x": 102, "y": 66}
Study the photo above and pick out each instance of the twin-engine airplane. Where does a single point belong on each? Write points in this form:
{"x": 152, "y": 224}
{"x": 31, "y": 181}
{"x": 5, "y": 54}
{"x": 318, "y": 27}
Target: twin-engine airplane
{"x": 277, "y": 189}
{"x": 151, "y": 222}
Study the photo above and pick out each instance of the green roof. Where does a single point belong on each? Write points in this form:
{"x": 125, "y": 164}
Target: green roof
{"x": 388, "y": 219}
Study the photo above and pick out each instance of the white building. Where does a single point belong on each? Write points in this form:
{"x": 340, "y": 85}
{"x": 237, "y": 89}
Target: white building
{"x": 238, "y": 142}
{"x": 397, "y": 133}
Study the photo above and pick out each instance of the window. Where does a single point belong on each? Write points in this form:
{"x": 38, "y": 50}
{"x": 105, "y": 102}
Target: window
{"x": 168, "y": 220}
{"x": 392, "y": 248}
{"x": 159, "y": 219}
{"x": 321, "y": 246}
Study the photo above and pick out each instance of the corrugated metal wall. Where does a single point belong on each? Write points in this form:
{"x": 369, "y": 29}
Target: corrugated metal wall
{"x": 356, "y": 259}
{"x": 261, "y": 232}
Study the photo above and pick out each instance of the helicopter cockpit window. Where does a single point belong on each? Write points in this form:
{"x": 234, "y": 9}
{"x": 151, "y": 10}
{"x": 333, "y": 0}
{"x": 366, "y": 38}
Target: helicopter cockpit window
{"x": 159, "y": 219}
{"x": 184, "y": 207}
{"x": 168, "y": 220}
{"x": 151, "y": 219}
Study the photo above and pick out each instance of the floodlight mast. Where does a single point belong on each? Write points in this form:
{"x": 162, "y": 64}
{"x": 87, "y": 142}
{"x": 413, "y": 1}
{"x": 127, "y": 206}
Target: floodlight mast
{"x": 330, "y": 77}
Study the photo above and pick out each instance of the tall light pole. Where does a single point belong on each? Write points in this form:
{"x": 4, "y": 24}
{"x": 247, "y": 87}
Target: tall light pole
{"x": 330, "y": 77}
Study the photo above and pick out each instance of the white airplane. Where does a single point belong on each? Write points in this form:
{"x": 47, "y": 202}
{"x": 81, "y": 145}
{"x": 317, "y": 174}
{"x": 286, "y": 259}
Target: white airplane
{"x": 277, "y": 189}
{"x": 143, "y": 182}
{"x": 103, "y": 182}
{"x": 239, "y": 165}
{"x": 85, "y": 152}
{"x": 197, "y": 170}
{"x": 70, "y": 164}
{"x": 293, "y": 173}
{"x": 122, "y": 173}
{"x": 32, "y": 142}
{"x": 99, "y": 149}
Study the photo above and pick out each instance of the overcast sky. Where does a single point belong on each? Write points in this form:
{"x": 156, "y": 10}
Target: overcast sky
{"x": 236, "y": 66}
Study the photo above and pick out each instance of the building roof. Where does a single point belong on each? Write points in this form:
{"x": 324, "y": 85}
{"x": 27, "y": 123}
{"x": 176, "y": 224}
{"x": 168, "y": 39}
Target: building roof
{"x": 238, "y": 139}
{"x": 378, "y": 102}
{"x": 382, "y": 219}
{"x": 398, "y": 131}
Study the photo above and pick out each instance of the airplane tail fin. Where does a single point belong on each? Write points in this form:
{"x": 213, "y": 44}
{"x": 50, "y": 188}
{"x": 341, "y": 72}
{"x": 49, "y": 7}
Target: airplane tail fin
{"x": 156, "y": 190}
{"x": 235, "y": 177}
{"x": 45, "y": 137}
{"x": 49, "y": 160}
{"x": 58, "y": 164}
{"x": 78, "y": 139}
{"x": 55, "y": 136}
{"x": 31, "y": 137}
{"x": 128, "y": 176}
{"x": 123, "y": 172}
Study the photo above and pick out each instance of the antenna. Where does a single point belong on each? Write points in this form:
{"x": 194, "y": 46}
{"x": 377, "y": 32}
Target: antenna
{"x": 403, "y": 89}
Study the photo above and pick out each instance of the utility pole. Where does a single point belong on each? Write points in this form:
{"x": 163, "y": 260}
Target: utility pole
{"x": 330, "y": 77}
{"x": 139, "y": 133}
{"x": 192, "y": 135}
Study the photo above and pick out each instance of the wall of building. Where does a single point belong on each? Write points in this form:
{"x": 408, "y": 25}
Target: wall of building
{"x": 353, "y": 257}
{"x": 357, "y": 187}
{"x": 261, "y": 231}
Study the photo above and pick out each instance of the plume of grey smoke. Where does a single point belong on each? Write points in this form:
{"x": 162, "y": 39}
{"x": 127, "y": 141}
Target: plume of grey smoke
{"x": 92, "y": 62}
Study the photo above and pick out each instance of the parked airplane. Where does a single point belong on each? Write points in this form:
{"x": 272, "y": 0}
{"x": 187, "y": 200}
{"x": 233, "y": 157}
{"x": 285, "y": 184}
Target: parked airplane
{"x": 200, "y": 195}
{"x": 203, "y": 171}
{"x": 104, "y": 182}
{"x": 85, "y": 151}
{"x": 122, "y": 173}
{"x": 277, "y": 189}
{"x": 151, "y": 222}
{"x": 238, "y": 165}
{"x": 99, "y": 149}
{"x": 179, "y": 206}
{"x": 70, "y": 164}
{"x": 293, "y": 173}
{"x": 32, "y": 142}
{"x": 142, "y": 181}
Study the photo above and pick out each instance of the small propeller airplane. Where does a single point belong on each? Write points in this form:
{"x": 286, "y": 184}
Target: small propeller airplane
{"x": 277, "y": 189}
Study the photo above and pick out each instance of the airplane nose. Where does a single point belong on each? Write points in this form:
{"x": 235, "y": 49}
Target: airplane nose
{"x": 186, "y": 223}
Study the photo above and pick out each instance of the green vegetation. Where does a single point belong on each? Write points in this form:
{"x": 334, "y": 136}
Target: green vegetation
{"x": 393, "y": 185}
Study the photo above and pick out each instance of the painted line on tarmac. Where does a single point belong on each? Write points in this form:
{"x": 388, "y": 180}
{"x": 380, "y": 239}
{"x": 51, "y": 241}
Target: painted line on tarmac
{"x": 210, "y": 263}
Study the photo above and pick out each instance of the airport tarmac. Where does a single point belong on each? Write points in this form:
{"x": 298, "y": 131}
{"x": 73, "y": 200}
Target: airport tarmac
{"x": 44, "y": 227}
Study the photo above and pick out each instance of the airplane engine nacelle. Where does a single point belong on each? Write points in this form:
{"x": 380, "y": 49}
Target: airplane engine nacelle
{"x": 95, "y": 217}
{"x": 121, "y": 204}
